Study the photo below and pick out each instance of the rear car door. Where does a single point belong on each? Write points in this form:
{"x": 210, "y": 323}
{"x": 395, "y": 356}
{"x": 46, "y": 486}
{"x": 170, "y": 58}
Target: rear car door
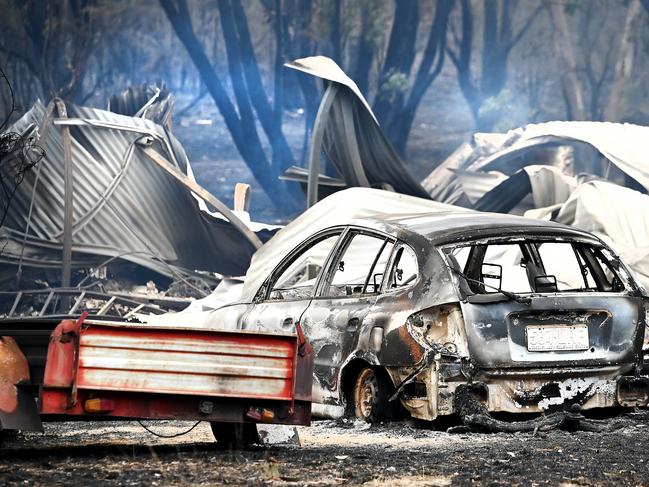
{"x": 347, "y": 291}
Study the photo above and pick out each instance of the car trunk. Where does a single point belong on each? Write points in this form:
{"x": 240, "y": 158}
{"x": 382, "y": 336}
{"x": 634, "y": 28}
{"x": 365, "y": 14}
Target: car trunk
{"x": 555, "y": 330}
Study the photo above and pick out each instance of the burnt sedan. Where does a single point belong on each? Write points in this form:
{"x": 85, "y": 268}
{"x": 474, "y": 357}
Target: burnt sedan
{"x": 533, "y": 314}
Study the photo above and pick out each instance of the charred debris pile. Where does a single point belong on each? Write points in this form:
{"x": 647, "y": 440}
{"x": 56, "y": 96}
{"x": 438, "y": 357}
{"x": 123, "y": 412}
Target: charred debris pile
{"x": 111, "y": 219}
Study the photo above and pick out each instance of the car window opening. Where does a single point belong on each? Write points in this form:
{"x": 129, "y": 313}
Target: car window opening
{"x": 404, "y": 269}
{"x": 360, "y": 267}
{"x": 534, "y": 267}
{"x": 298, "y": 278}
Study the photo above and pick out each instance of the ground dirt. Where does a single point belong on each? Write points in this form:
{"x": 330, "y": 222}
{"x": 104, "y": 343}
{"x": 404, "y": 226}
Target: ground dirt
{"x": 332, "y": 453}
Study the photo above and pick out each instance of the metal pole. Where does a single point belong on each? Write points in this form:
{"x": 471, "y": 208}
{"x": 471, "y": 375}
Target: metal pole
{"x": 316, "y": 143}
{"x": 352, "y": 144}
{"x": 68, "y": 193}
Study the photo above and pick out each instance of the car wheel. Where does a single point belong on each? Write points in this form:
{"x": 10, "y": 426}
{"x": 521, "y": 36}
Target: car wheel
{"x": 234, "y": 436}
{"x": 370, "y": 396}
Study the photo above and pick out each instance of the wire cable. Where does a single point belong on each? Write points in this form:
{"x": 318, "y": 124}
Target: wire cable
{"x": 168, "y": 436}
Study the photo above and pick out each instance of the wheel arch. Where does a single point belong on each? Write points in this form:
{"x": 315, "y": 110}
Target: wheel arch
{"x": 349, "y": 373}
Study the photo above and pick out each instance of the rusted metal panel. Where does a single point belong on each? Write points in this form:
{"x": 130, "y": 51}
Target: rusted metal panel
{"x": 123, "y": 405}
{"x": 17, "y": 408}
{"x": 125, "y": 370}
{"x": 169, "y": 361}
{"x": 14, "y": 370}
{"x": 61, "y": 355}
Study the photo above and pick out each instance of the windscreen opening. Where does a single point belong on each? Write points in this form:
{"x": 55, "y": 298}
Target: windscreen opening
{"x": 534, "y": 267}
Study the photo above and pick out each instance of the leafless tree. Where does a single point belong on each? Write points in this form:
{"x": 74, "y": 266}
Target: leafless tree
{"x": 248, "y": 93}
{"x": 484, "y": 82}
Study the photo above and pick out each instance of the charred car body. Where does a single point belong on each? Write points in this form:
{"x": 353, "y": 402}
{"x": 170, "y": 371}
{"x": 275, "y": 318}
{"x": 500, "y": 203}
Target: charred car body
{"x": 533, "y": 314}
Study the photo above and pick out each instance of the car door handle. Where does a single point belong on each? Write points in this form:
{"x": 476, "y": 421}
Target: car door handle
{"x": 287, "y": 322}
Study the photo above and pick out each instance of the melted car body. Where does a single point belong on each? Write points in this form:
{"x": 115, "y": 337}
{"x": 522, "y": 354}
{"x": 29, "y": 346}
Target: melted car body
{"x": 533, "y": 314}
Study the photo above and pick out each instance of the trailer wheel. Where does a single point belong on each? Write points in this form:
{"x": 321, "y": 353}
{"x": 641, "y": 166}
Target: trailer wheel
{"x": 370, "y": 396}
{"x": 234, "y": 436}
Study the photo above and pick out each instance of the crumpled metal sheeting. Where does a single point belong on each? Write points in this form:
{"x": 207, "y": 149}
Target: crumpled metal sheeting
{"x": 624, "y": 145}
{"x": 123, "y": 203}
{"x": 542, "y": 185}
{"x": 614, "y": 213}
{"x": 153, "y": 102}
{"x": 617, "y": 215}
{"x": 380, "y": 163}
{"x": 476, "y": 184}
{"x": 442, "y": 183}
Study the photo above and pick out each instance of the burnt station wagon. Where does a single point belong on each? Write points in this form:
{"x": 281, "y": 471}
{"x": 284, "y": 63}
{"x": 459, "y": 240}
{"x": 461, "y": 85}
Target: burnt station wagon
{"x": 536, "y": 315}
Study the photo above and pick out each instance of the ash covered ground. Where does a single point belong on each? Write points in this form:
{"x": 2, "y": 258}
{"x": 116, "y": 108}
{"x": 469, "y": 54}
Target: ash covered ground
{"x": 332, "y": 453}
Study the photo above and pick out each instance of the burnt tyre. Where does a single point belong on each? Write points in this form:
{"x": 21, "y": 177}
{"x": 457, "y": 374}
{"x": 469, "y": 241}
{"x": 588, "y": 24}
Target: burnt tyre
{"x": 370, "y": 396}
{"x": 234, "y": 436}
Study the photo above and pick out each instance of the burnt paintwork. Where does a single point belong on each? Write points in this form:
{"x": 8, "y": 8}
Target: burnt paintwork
{"x": 427, "y": 335}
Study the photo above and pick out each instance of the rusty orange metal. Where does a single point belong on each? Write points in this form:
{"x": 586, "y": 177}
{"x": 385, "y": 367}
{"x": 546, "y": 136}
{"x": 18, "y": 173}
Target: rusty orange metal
{"x": 223, "y": 364}
{"x": 134, "y": 370}
{"x": 61, "y": 355}
{"x": 14, "y": 370}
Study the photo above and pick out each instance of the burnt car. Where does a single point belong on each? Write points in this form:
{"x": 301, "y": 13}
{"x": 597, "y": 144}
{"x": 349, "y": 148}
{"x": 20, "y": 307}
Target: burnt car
{"x": 405, "y": 309}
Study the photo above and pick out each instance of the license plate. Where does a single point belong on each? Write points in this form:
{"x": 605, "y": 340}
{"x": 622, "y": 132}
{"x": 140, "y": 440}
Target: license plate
{"x": 553, "y": 338}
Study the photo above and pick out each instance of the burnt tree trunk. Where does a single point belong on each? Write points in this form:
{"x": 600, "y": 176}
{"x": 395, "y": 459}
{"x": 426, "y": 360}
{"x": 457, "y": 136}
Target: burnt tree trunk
{"x": 396, "y": 101}
{"x": 365, "y": 53}
{"x": 335, "y": 34}
{"x": 270, "y": 117}
{"x": 398, "y": 62}
{"x": 497, "y": 43}
{"x": 430, "y": 67}
{"x": 573, "y": 89}
{"x": 240, "y": 125}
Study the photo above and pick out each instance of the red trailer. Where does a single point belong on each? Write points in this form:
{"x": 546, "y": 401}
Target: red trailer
{"x": 97, "y": 370}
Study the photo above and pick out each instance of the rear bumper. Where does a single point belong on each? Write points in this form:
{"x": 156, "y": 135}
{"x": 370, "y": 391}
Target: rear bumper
{"x": 530, "y": 390}
{"x": 545, "y": 390}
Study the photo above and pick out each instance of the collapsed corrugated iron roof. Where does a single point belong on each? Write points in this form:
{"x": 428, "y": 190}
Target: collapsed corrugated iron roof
{"x": 618, "y": 215}
{"x": 563, "y": 171}
{"x": 124, "y": 204}
{"x": 351, "y": 136}
{"x": 623, "y": 145}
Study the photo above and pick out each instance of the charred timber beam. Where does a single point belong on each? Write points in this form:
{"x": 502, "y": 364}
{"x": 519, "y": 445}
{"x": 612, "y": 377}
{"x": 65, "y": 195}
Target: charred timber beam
{"x": 156, "y": 157}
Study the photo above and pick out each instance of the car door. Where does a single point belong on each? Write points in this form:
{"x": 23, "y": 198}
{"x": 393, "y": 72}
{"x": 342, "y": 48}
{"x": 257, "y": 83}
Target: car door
{"x": 286, "y": 293}
{"x": 345, "y": 295}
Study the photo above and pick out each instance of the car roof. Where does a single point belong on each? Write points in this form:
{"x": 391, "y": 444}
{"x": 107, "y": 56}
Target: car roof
{"x": 448, "y": 227}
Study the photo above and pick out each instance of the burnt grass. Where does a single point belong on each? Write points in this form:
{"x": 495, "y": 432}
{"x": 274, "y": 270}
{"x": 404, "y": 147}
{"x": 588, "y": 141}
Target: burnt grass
{"x": 396, "y": 454}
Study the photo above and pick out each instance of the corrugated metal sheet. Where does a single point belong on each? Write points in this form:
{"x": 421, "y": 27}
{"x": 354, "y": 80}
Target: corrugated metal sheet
{"x": 224, "y": 364}
{"x": 351, "y": 131}
{"x": 123, "y": 203}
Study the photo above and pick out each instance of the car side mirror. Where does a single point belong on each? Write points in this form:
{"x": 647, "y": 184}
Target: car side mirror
{"x": 493, "y": 272}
